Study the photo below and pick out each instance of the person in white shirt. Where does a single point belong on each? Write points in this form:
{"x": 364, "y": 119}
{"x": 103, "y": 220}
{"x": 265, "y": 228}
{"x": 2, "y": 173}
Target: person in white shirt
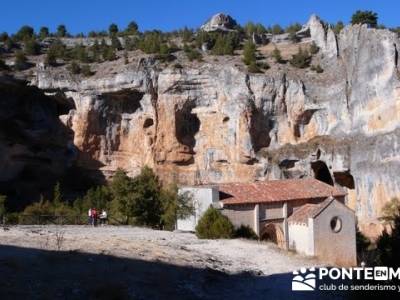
{"x": 90, "y": 216}
{"x": 103, "y": 217}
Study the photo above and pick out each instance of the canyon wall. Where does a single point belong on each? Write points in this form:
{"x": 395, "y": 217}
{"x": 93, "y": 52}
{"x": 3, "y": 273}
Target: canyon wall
{"x": 217, "y": 123}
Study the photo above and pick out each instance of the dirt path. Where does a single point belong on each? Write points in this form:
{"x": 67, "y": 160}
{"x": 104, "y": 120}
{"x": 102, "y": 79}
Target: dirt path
{"x": 139, "y": 263}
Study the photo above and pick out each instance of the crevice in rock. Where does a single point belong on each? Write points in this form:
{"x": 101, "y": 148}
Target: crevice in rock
{"x": 287, "y": 163}
{"x": 321, "y": 172}
{"x": 344, "y": 179}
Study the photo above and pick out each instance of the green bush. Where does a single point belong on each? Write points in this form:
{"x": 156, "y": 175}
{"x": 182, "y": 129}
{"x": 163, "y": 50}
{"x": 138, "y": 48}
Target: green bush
{"x": 225, "y": 44}
{"x": 293, "y": 28}
{"x": 250, "y": 28}
{"x": 277, "y": 29}
{"x": 314, "y": 48}
{"x": 86, "y": 71}
{"x": 108, "y": 53}
{"x": 214, "y": 225}
{"x": 192, "y": 54}
{"x": 175, "y": 206}
{"x": 186, "y": 35}
{"x": 253, "y": 68}
{"x": 12, "y": 218}
{"x": 151, "y": 42}
{"x": 115, "y": 43}
{"x": 57, "y": 50}
{"x": 301, "y": 59}
{"x": 21, "y": 61}
{"x": 31, "y": 47}
{"x": 337, "y": 27}
{"x": 2, "y": 207}
{"x": 249, "y": 53}
{"x": 388, "y": 245}
{"x": 276, "y": 54}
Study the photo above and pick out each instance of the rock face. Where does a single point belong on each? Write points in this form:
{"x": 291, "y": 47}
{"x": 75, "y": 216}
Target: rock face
{"x": 219, "y": 22}
{"x": 216, "y": 123}
{"x": 35, "y": 147}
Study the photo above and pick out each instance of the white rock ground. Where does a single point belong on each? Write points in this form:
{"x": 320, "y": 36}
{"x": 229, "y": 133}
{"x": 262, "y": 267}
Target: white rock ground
{"x": 141, "y": 263}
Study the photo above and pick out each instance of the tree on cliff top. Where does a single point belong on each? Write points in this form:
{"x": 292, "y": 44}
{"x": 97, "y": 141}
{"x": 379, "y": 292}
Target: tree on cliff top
{"x": 61, "y": 30}
{"x": 113, "y": 29}
{"x": 365, "y": 17}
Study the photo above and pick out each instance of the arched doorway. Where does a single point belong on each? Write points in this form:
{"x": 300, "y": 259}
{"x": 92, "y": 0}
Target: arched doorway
{"x": 273, "y": 233}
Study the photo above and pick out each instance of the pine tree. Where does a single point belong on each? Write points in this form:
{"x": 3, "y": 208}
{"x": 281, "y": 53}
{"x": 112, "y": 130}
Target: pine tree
{"x": 276, "y": 54}
{"x": 132, "y": 28}
{"x": 113, "y": 29}
{"x": 301, "y": 59}
{"x": 43, "y": 32}
{"x": 249, "y": 53}
{"x": 61, "y": 31}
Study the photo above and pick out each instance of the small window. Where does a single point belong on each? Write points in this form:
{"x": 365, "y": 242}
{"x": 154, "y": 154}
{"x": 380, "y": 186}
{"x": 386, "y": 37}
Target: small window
{"x": 336, "y": 224}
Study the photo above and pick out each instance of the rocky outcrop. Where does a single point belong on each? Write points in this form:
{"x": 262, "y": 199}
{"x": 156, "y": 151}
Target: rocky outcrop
{"x": 35, "y": 147}
{"x": 219, "y": 22}
{"x": 216, "y": 123}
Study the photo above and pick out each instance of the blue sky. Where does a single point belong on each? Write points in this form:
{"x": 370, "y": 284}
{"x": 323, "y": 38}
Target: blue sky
{"x": 86, "y": 15}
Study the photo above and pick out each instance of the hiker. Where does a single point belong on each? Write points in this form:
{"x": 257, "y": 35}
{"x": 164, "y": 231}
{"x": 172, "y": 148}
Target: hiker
{"x": 103, "y": 217}
{"x": 90, "y": 216}
{"x": 94, "y": 216}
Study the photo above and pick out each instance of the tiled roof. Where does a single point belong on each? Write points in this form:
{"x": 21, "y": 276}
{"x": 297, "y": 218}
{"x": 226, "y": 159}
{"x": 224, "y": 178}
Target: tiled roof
{"x": 277, "y": 191}
{"x": 308, "y": 210}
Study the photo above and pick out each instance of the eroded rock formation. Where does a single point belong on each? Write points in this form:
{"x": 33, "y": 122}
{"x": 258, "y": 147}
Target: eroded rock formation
{"x": 217, "y": 123}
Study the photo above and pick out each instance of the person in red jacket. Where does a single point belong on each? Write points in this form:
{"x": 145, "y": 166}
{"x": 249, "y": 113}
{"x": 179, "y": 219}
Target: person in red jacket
{"x": 94, "y": 216}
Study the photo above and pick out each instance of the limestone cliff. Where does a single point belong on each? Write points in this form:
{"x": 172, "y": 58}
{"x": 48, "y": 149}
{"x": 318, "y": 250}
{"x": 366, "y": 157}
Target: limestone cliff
{"x": 214, "y": 122}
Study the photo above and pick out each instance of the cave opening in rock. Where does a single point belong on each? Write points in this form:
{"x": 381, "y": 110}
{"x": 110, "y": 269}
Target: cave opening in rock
{"x": 344, "y": 179}
{"x": 260, "y": 127}
{"x": 321, "y": 172}
{"x": 148, "y": 123}
{"x": 187, "y": 124}
{"x": 124, "y": 101}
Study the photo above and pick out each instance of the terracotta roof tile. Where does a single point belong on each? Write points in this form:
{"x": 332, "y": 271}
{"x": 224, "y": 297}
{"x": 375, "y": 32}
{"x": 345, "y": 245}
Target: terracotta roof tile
{"x": 277, "y": 191}
{"x": 309, "y": 210}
